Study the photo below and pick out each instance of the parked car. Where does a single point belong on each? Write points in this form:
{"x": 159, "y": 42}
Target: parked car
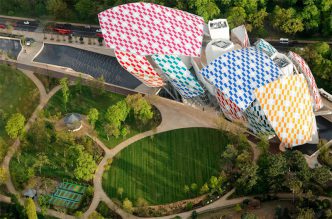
{"x": 2, "y": 26}
{"x": 26, "y": 22}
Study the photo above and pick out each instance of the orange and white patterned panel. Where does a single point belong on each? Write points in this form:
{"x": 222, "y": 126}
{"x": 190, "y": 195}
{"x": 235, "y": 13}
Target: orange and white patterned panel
{"x": 305, "y": 70}
{"x": 140, "y": 67}
{"x": 287, "y": 105}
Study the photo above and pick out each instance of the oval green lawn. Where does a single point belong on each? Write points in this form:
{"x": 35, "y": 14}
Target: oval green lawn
{"x": 157, "y": 168}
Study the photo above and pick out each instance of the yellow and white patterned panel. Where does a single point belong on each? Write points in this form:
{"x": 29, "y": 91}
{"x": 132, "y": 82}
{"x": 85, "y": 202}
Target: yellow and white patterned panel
{"x": 287, "y": 105}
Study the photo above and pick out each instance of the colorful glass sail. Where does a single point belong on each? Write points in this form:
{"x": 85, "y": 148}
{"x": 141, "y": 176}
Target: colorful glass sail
{"x": 147, "y": 29}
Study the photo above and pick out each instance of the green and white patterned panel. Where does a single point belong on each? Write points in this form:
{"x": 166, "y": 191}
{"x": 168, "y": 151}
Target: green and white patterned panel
{"x": 265, "y": 47}
{"x": 179, "y": 76}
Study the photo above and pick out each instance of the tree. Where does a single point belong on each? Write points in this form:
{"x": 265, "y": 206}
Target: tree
{"x": 311, "y": 17}
{"x": 257, "y": 19}
{"x": 295, "y": 186}
{"x": 65, "y": 91}
{"x": 56, "y": 7}
{"x": 321, "y": 175}
{"x": 111, "y": 130}
{"x": 186, "y": 189}
{"x": 141, "y": 202}
{"x": 3, "y": 175}
{"x": 306, "y": 214}
{"x": 236, "y": 16}
{"x": 205, "y": 8}
{"x": 141, "y": 107}
{"x": 230, "y": 153}
{"x": 85, "y": 166}
{"x": 15, "y": 125}
{"x": 263, "y": 144}
{"x": 124, "y": 132}
{"x": 93, "y": 115}
{"x": 247, "y": 176}
{"x": 95, "y": 215}
{"x": 128, "y": 205}
{"x": 276, "y": 171}
{"x": 117, "y": 113}
{"x": 119, "y": 191}
{"x": 205, "y": 189}
{"x": 286, "y": 20}
{"x": 194, "y": 187}
{"x": 30, "y": 209}
{"x": 85, "y": 8}
{"x": 213, "y": 182}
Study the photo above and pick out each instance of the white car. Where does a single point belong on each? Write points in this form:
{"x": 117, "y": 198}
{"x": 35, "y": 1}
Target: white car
{"x": 98, "y": 30}
{"x": 26, "y": 22}
{"x": 28, "y": 43}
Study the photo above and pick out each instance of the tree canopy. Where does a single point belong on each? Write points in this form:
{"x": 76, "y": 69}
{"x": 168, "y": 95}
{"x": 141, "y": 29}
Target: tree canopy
{"x": 15, "y": 125}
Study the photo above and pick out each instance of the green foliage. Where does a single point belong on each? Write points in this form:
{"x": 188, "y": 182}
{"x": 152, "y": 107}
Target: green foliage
{"x": 15, "y": 125}
{"x": 65, "y": 91}
{"x": 204, "y": 189}
{"x": 93, "y": 116}
{"x": 205, "y": 8}
{"x": 186, "y": 189}
{"x": 311, "y": 17}
{"x": 3, "y": 175}
{"x": 286, "y": 20}
{"x": 84, "y": 163}
{"x": 85, "y": 8}
{"x": 306, "y": 214}
{"x": 236, "y": 16}
{"x": 321, "y": 175}
{"x": 127, "y": 205}
{"x": 30, "y": 209}
{"x": 194, "y": 187}
{"x": 95, "y": 215}
{"x": 141, "y": 107}
{"x": 56, "y": 8}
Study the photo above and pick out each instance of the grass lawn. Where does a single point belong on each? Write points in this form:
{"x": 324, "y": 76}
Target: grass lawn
{"x": 82, "y": 102}
{"x": 157, "y": 168}
{"x": 17, "y": 94}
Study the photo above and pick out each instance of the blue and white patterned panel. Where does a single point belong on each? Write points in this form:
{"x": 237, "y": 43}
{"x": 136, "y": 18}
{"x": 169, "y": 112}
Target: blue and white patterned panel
{"x": 239, "y": 72}
{"x": 257, "y": 120}
{"x": 265, "y": 47}
{"x": 179, "y": 76}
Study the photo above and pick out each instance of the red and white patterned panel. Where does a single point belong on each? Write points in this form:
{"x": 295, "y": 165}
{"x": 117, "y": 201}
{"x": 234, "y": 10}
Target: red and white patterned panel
{"x": 140, "y": 67}
{"x": 147, "y": 29}
{"x": 305, "y": 70}
{"x": 230, "y": 109}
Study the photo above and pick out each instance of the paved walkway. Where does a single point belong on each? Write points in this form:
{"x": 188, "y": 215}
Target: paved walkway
{"x": 174, "y": 116}
{"x": 44, "y": 98}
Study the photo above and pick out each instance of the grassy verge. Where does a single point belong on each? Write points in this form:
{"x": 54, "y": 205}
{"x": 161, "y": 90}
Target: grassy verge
{"x": 17, "y": 95}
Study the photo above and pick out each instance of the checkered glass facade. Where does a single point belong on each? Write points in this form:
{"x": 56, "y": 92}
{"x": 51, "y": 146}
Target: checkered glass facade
{"x": 305, "y": 70}
{"x": 230, "y": 110}
{"x": 179, "y": 76}
{"x": 147, "y": 29}
{"x": 265, "y": 47}
{"x": 257, "y": 121}
{"x": 289, "y": 113}
{"x": 239, "y": 72}
{"x": 140, "y": 67}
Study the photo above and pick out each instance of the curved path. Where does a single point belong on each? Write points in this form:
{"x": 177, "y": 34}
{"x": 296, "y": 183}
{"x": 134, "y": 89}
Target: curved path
{"x": 174, "y": 116}
{"x": 44, "y": 98}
